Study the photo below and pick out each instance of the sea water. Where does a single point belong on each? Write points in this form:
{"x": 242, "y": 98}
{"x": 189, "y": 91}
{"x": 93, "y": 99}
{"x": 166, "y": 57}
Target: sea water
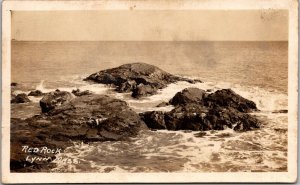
{"x": 256, "y": 70}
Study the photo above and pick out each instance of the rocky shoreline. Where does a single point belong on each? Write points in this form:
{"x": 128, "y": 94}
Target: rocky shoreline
{"x": 87, "y": 117}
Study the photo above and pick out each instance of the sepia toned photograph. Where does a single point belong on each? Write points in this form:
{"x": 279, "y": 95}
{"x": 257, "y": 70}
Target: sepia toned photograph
{"x": 148, "y": 89}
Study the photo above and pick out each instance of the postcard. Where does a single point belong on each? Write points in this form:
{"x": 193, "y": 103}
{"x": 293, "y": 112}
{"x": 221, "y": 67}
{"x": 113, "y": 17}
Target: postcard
{"x": 141, "y": 91}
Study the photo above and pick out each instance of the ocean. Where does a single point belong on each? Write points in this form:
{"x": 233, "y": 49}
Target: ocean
{"x": 255, "y": 70}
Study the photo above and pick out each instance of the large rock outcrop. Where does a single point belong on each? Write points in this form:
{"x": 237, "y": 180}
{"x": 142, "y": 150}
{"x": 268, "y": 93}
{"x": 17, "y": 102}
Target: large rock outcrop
{"x": 86, "y": 118}
{"x": 197, "y": 110}
{"x": 139, "y": 78}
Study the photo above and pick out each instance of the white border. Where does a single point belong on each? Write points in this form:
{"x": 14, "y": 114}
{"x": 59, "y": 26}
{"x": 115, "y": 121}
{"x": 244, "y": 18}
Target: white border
{"x": 290, "y": 176}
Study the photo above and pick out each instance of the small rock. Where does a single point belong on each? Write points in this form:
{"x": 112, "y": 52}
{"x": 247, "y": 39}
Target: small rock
{"x": 36, "y": 93}
{"x": 200, "y": 134}
{"x": 20, "y": 98}
{"x": 188, "y": 95}
{"x": 54, "y": 99}
{"x": 162, "y": 104}
{"x": 143, "y": 90}
{"x": 154, "y": 119}
{"x": 280, "y": 111}
{"x": 77, "y": 92}
{"x": 14, "y": 84}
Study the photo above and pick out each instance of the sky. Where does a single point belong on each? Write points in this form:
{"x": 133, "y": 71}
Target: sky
{"x": 151, "y": 25}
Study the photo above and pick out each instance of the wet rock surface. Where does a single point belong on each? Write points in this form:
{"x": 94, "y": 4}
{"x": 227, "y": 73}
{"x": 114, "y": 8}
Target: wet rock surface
{"x": 139, "y": 78}
{"x": 197, "y": 110}
{"x": 86, "y": 118}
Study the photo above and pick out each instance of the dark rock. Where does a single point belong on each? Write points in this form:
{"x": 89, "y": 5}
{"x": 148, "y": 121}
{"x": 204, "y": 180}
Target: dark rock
{"x": 163, "y": 104}
{"x": 54, "y": 99}
{"x": 209, "y": 90}
{"x": 228, "y": 98}
{"x": 86, "y": 118}
{"x": 127, "y": 86}
{"x": 14, "y": 84}
{"x": 154, "y": 119}
{"x": 36, "y": 93}
{"x": 143, "y": 90}
{"x": 197, "y": 117}
{"x": 130, "y": 77}
{"x": 197, "y": 110}
{"x": 200, "y": 134}
{"x": 280, "y": 111}
{"x": 188, "y": 95}
{"x": 20, "y": 98}
{"x": 77, "y": 92}
{"x": 222, "y": 98}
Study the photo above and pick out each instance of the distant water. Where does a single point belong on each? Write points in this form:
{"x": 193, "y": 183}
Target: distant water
{"x": 262, "y": 64}
{"x": 255, "y": 70}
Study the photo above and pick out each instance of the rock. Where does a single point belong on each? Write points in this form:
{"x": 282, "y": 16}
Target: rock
{"x": 222, "y": 98}
{"x": 36, "y": 93}
{"x": 154, "y": 119}
{"x": 55, "y": 99}
{"x": 86, "y": 119}
{"x": 228, "y": 98}
{"x": 188, "y": 95}
{"x": 143, "y": 90}
{"x": 143, "y": 79}
{"x": 20, "y": 98}
{"x": 163, "y": 104}
{"x": 127, "y": 86}
{"x": 197, "y": 110}
{"x": 77, "y": 92}
{"x": 200, "y": 134}
{"x": 280, "y": 111}
{"x": 14, "y": 84}
{"x": 200, "y": 118}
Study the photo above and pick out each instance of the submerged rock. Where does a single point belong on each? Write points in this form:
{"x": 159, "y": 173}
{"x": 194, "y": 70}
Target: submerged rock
{"x": 54, "y": 99}
{"x": 20, "y": 98}
{"x": 163, "y": 104}
{"x": 36, "y": 93}
{"x": 78, "y": 92}
{"x": 197, "y": 110}
{"x": 86, "y": 118}
{"x": 139, "y": 78}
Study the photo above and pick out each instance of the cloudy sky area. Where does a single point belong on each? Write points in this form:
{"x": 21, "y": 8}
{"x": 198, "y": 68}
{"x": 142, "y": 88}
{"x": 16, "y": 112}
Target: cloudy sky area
{"x": 149, "y": 25}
